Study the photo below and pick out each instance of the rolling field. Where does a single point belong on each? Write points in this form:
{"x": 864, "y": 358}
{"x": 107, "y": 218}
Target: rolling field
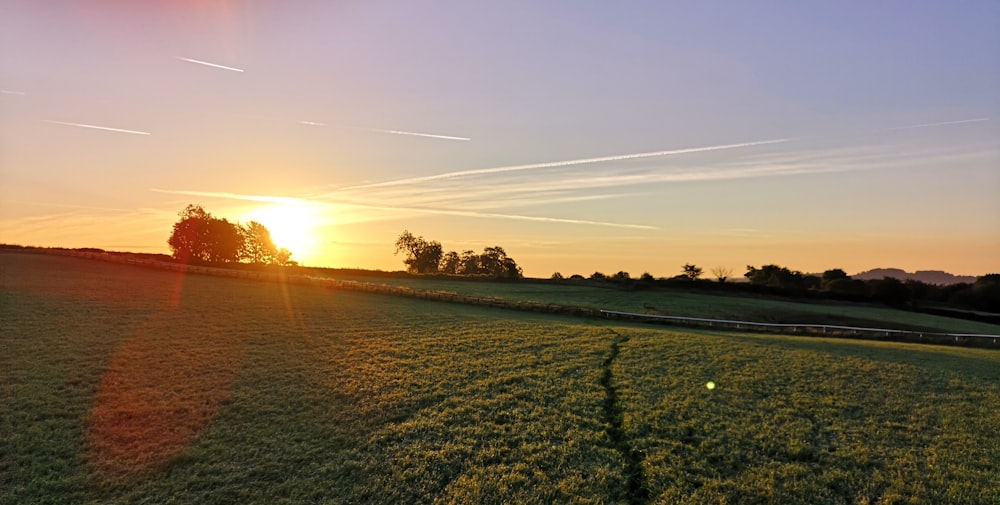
{"x": 673, "y": 302}
{"x": 127, "y": 385}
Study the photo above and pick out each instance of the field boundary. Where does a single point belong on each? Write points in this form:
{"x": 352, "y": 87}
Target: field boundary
{"x": 803, "y": 329}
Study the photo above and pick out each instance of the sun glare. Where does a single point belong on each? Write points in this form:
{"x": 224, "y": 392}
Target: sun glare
{"x": 292, "y": 226}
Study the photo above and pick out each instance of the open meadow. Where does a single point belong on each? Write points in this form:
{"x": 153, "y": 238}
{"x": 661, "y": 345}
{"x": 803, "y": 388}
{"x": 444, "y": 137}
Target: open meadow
{"x": 120, "y": 384}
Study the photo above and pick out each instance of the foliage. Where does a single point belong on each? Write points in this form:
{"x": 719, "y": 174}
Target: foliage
{"x": 422, "y": 256}
{"x": 775, "y": 276}
{"x": 722, "y": 273}
{"x": 691, "y": 272}
{"x": 425, "y": 257}
{"x": 493, "y": 262}
{"x": 200, "y": 236}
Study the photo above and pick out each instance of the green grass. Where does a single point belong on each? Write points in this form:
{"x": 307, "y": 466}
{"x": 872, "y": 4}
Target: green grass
{"x": 125, "y": 385}
{"x": 673, "y": 302}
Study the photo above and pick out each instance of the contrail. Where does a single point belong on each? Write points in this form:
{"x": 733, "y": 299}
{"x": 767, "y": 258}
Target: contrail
{"x": 493, "y": 215}
{"x": 943, "y": 123}
{"x": 312, "y": 123}
{"x": 415, "y": 134}
{"x": 10, "y": 92}
{"x": 231, "y": 196}
{"x": 208, "y": 64}
{"x": 422, "y": 210}
{"x": 81, "y": 125}
{"x": 565, "y": 163}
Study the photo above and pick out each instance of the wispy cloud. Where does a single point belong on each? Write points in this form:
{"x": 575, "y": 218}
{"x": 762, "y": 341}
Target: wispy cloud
{"x": 564, "y": 163}
{"x": 417, "y": 134}
{"x": 10, "y": 92}
{"x": 941, "y": 123}
{"x": 216, "y": 65}
{"x": 232, "y": 196}
{"x": 400, "y": 209}
{"x": 95, "y": 127}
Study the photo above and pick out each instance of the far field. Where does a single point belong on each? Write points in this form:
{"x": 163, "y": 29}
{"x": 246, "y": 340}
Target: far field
{"x": 692, "y": 303}
{"x": 127, "y": 385}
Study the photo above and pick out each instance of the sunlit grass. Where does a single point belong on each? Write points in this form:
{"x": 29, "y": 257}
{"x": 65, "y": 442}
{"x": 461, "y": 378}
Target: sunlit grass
{"x": 234, "y": 391}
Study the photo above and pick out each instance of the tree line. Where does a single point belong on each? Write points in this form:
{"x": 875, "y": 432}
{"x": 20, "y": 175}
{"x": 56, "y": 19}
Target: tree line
{"x": 983, "y": 294}
{"x": 201, "y": 237}
{"x": 428, "y": 257}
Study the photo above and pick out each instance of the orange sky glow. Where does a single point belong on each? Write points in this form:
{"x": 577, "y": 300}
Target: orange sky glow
{"x": 596, "y": 139}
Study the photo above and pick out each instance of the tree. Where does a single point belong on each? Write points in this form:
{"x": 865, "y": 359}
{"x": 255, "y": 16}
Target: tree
{"x": 722, "y": 273}
{"x": 258, "y": 247}
{"x": 691, "y": 272}
{"x": 422, "y": 257}
{"x": 200, "y": 236}
{"x": 775, "y": 276}
{"x": 189, "y": 238}
{"x": 451, "y": 262}
{"x": 890, "y": 291}
{"x": 833, "y": 275}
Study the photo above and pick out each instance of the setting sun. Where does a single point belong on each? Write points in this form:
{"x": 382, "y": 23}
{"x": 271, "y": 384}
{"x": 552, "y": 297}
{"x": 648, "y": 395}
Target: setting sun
{"x": 292, "y": 226}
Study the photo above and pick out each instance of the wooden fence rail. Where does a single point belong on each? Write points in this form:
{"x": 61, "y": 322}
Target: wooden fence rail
{"x": 960, "y": 339}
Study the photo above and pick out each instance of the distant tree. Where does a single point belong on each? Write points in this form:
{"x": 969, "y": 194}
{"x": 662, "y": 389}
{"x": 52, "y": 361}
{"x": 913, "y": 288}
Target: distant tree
{"x": 890, "y": 291}
{"x": 422, "y": 256}
{"x": 495, "y": 263}
{"x": 258, "y": 247}
{"x": 451, "y": 263}
{"x": 646, "y": 277}
{"x": 469, "y": 263}
{"x": 621, "y": 276}
{"x": 986, "y": 292}
{"x": 598, "y": 276}
{"x": 557, "y": 276}
{"x": 853, "y": 288}
{"x": 199, "y": 236}
{"x": 284, "y": 258}
{"x": 691, "y": 272}
{"x": 833, "y": 275}
{"x": 189, "y": 238}
{"x": 722, "y": 273}
{"x": 577, "y": 277}
{"x": 775, "y": 276}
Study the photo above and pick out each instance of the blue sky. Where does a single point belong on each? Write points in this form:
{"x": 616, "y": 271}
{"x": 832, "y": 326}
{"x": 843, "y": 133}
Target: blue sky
{"x": 844, "y": 135}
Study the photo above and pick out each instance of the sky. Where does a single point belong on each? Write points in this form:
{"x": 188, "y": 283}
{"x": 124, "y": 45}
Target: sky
{"x": 579, "y": 136}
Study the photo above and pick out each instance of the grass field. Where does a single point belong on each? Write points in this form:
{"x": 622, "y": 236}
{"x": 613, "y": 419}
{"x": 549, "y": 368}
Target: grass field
{"x": 126, "y": 385}
{"x": 674, "y": 302}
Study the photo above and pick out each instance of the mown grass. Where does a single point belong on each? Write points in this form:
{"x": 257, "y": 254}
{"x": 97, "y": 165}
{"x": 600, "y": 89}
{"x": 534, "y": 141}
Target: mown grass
{"x": 674, "y": 302}
{"x": 125, "y": 385}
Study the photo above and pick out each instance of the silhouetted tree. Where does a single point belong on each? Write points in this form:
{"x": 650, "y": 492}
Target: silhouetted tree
{"x": 258, "y": 247}
{"x": 833, "y": 275}
{"x": 451, "y": 263}
{"x": 890, "y": 291}
{"x": 621, "y": 276}
{"x": 422, "y": 257}
{"x": 199, "y": 236}
{"x": 775, "y": 276}
{"x": 722, "y": 273}
{"x": 469, "y": 263}
{"x": 557, "y": 276}
{"x": 189, "y": 238}
{"x": 691, "y": 272}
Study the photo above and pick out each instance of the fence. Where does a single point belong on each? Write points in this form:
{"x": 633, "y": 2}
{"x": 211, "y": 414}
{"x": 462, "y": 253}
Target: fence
{"x": 968, "y": 339}
{"x": 960, "y": 339}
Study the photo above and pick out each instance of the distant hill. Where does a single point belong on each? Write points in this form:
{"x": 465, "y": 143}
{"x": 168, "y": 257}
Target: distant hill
{"x": 925, "y": 276}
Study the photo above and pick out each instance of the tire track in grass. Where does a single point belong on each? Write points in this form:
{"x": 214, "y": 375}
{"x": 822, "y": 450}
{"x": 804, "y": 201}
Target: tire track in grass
{"x": 636, "y": 491}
